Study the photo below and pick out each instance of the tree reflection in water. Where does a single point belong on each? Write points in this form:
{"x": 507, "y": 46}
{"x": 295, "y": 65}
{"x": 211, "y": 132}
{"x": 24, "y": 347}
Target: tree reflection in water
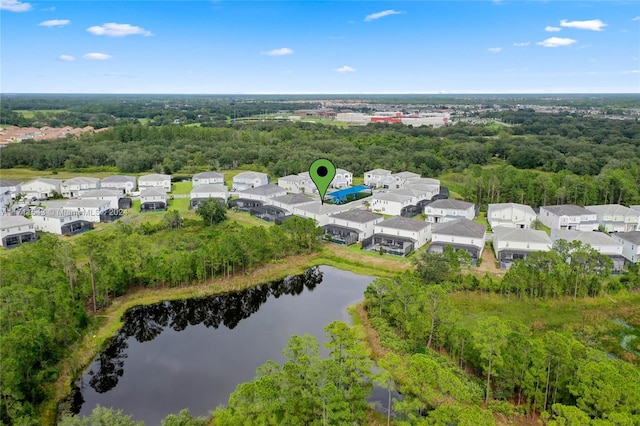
{"x": 145, "y": 323}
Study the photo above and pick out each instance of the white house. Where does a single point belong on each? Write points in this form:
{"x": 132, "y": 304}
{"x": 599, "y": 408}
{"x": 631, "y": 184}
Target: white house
{"x": 616, "y": 218}
{"x": 398, "y": 235}
{"x": 289, "y": 202}
{"x": 319, "y": 212}
{"x": 390, "y": 204}
{"x": 351, "y": 226}
{"x": 460, "y": 234}
{"x": 378, "y": 178}
{"x": 262, "y": 192}
{"x": 153, "y": 199}
{"x": 447, "y": 210}
{"x": 296, "y": 184}
{"x": 206, "y": 191}
{"x": 126, "y": 184}
{"x": 41, "y": 188}
{"x": 15, "y": 230}
{"x": 13, "y": 187}
{"x": 510, "y": 215}
{"x": 342, "y": 179}
{"x": 111, "y": 195}
{"x": 71, "y": 188}
{"x": 568, "y": 216}
{"x": 208, "y": 178}
{"x": 431, "y": 186}
{"x": 600, "y": 241}
{"x": 630, "y": 244}
{"x": 246, "y": 180}
{"x": 418, "y": 194}
{"x": 59, "y": 221}
{"x": 511, "y": 244}
{"x": 402, "y": 178}
{"x": 155, "y": 180}
{"x": 90, "y": 210}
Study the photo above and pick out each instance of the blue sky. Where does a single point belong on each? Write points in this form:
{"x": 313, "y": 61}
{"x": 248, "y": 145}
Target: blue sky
{"x": 320, "y": 46}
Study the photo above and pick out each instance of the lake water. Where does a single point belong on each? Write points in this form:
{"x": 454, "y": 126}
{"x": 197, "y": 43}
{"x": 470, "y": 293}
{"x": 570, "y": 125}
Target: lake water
{"x": 193, "y": 353}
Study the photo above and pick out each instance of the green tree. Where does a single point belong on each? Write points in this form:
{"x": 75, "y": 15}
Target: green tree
{"x": 490, "y": 340}
{"x": 432, "y": 267}
{"x": 101, "y": 416}
{"x": 212, "y": 212}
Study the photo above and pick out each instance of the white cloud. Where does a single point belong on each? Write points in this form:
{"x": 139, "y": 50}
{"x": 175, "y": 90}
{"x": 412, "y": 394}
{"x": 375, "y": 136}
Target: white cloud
{"x": 279, "y": 52}
{"x": 345, "y": 68}
{"x": 112, "y": 29}
{"x": 14, "y": 6}
{"x": 526, "y": 43}
{"x": 593, "y": 25}
{"x": 55, "y": 23}
{"x": 556, "y": 42}
{"x": 495, "y": 49}
{"x": 96, "y": 56}
{"x": 552, "y": 29}
{"x": 631, "y": 72}
{"x": 637, "y": 18}
{"x": 382, "y": 14}
{"x": 66, "y": 58}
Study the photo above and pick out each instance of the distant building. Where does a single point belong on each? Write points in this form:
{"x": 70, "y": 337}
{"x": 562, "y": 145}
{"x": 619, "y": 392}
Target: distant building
{"x": 460, "y": 234}
{"x": 155, "y": 180}
{"x": 15, "y": 230}
{"x": 262, "y": 192}
{"x": 208, "y": 178}
{"x": 630, "y": 245}
{"x": 377, "y": 178}
{"x": 247, "y": 180}
{"x": 402, "y": 178}
{"x": 295, "y": 184}
{"x": 71, "y": 188}
{"x": 41, "y": 188}
{"x": 569, "y": 217}
{"x": 126, "y": 184}
{"x": 441, "y": 211}
{"x": 113, "y": 196}
{"x": 616, "y": 218}
{"x": 342, "y": 179}
{"x": 510, "y": 215}
{"x": 289, "y": 202}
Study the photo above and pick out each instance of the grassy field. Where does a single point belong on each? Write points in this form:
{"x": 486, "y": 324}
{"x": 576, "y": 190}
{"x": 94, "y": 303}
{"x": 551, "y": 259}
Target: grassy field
{"x": 32, "y": 113}
{"x": 29, "y": 174}
{"x": 181, "y": 187}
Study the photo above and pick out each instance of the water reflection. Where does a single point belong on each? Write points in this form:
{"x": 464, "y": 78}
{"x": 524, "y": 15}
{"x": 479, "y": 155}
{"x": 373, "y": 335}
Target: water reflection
{"x": 145, "y": 323}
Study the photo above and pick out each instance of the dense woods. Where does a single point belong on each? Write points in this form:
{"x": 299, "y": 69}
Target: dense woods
{"x": 50, "y": 288}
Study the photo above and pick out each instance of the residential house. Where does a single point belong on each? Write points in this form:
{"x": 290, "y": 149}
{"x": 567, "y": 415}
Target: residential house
{"x": 391, "y": 204}
{"x": 510, "y": 215}
{"x": 59, "y": 221}
{"x": 351, "y": 226}
{"x": 208, "y": 178}
{"x": 568, "y": 216}
{"x": 155, "y": 180}
{"x": 203, "y": 192}
{"x": 296, "y": 184}
{"x": 126, "y": 184}
{"x": 402, "y": 178}
{"x": 247, "y": 180}
{"x": 398, "y": 235}
{"x": 71, "y": 188}
{"x": 511, "y": 244}
{"x": 616, "y": 218}
{"x": 377, "y": 178}
{"x": 15, "y": 230}
{"x": 13, "y": 187}
{"x": 430, "y": 186}
{"x": 319, "y": 212}
{"x": 289, "y": 202}
{"x": 113, "y": 196}
{"x": 441, "y": 211}
{"x": 262, "y": 192}
{"x": 153, "y": 199}
{"x": 91, "y": 210}
{"x": 630, "y": 244}
{"x": 342, "y": 179}
{"x": 600, "y": 241}
{"x": 41, "y": 188}
{"x": 460, "y": 234}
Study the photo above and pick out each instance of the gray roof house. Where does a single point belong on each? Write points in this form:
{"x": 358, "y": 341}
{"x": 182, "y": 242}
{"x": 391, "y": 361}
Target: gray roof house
{"x": 378, "y": 178}
{"x": 208, "y": 178}
{"x": 126, "y": 184}
{"x": 601, "y": 242}
{"x": 510, "y": 215}
{"x": 153, "y": 199}
{"x": 630, "y": 245}
{"x": 616, "y": 218}
{"x": 460, "y": 234}
{"x": 398, "y": 235}
{"x": 568, "y": 216}
{"x": 262, "y": 192}
{"x": 511, "y": 244}
{"x": 246, "y": 180}
{"x": 351, "y": 226}
{"x": 15, "y": 230}
{"x": 155, "y": 180}
{"x": 289, "y": 202}
{"x": 72, "y": 188}
{"x": 202, "y": 192}
{"x": 41, "y": 188}
{"x": 447, "y": 210}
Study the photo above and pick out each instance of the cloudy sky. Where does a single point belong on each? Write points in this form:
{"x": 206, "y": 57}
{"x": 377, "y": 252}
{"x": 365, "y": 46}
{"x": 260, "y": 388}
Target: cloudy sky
{"x": 302, "y": 46}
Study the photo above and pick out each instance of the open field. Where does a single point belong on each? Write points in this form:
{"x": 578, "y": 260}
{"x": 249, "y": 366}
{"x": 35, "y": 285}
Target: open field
{"x": 32, "y": 112}
{"x": 181, "y": 187}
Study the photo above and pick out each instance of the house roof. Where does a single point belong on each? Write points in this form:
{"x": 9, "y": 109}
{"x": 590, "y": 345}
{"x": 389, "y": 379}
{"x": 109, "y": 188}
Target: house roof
{"x": 118, "y": 178}
{"x": 292, "y": 199}
{"x": 511, "y": 206}
{"x": 588, "y": 237}
{"x": 632, "y": 237}
{"x": 250, "y": 175}
{"x": 294, "y": 178}
{"x": 390, "y": 196}
{"x": 379, "y": 172}
{"x": 343, "y": 171}
{"x": 612, "y": 209}
{"x": 321, "y": 209}
{"x": 268, "y": 189}
{"x": 406, "y": 175}
{"x": 359, "y": 216}
{"x": 410, "y": 191}
{"x": 153, "y": 192}
{"x": 403, "y": 223}
{"x": 460, "y": 228}
{"x": 153, "y": 177}
{"x": 566, "y": 210}
{"x": 521, "y": 235}
{"x": 79, "y": 180}
{"x": 80, "y": 203}
{"x": 12, "y": 221}
{"x": 101, "y": 193}
{"x": 7, "y": 182}
{"x": 55, "y": 182}
{"x": 424, "y": 181}
{"x": 208, "y": 175}
{"x": 451, "y": 204}
{"x": 208, "y": 188}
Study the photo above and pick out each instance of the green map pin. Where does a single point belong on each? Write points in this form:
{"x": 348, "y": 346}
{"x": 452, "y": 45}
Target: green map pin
{"x": 322, "y": 172}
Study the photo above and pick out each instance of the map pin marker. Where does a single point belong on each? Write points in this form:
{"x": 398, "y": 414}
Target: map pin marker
{"x": 322, "y": 172}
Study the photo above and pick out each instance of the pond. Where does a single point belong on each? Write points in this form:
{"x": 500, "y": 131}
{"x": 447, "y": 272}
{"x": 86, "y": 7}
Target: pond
{"x": 193, "y": 353}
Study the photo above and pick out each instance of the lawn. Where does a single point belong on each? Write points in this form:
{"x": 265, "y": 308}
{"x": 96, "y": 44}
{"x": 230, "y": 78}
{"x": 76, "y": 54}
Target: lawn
{"x": 32, "y": 113}
{"x": 181, "y": 187}
{"x": 24, "y": 175}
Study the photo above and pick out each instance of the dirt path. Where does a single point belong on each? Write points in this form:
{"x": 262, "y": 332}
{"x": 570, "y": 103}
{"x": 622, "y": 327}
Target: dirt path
{"x": 489, "y": 264}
